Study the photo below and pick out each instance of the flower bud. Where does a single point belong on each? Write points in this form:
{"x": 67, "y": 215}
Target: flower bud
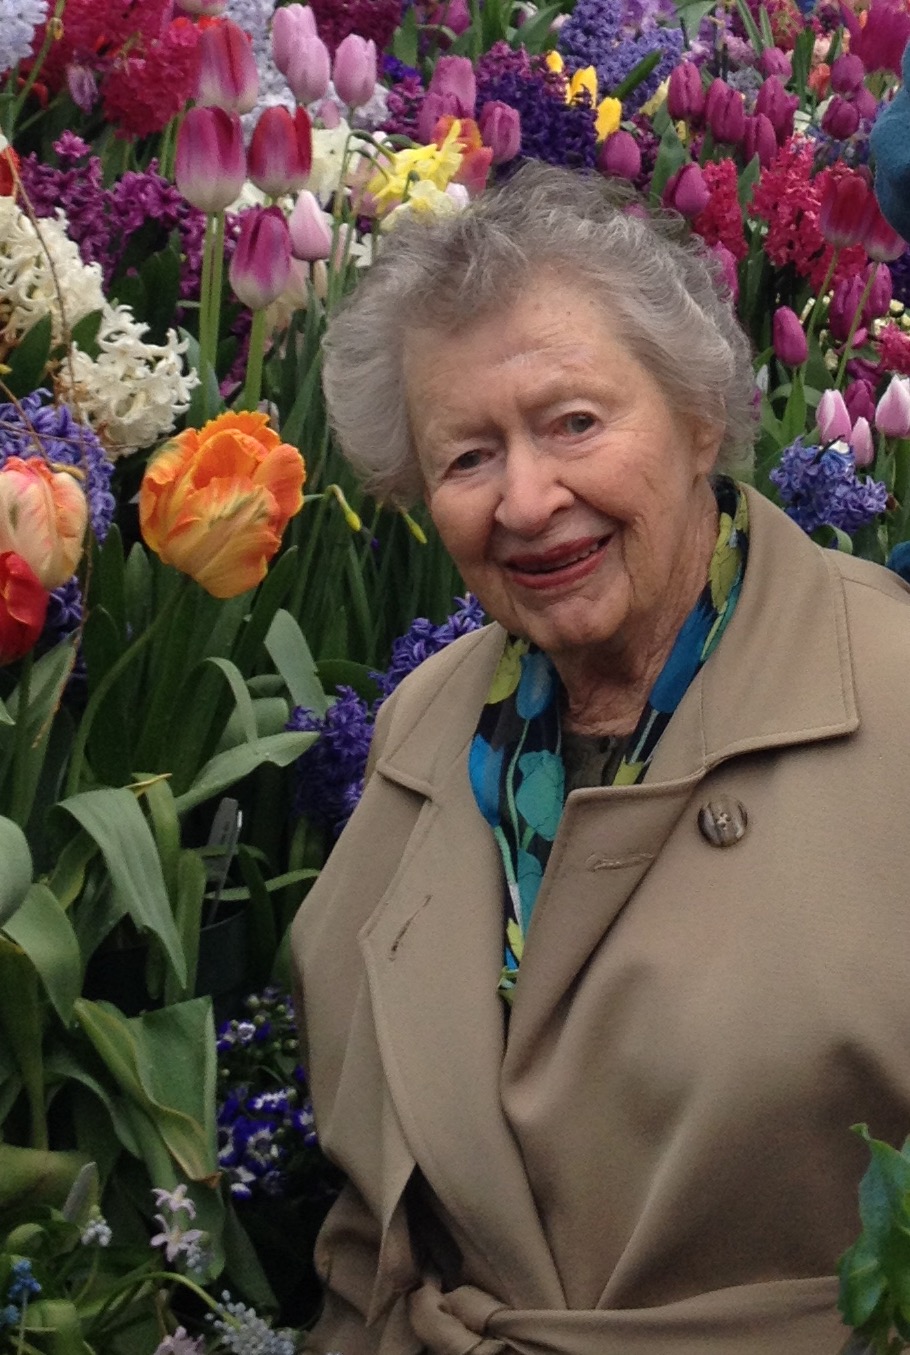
{"x": 778, "y": 107}
{"x": 43, "y": 517}
{"x": 841, "y": 119}
{"x": 308, "y": 70}
{"x": 310, "y": 229}
{"x": 878, "y": 302}
{"x": 687, "y": 191}
{"x": 228, "y": 75}
{"x": 620, "y": 155}
{"x": 354, "y": 70}
{"x": 832, "y": 417}
{"x": 500, "y": 128}
{"x": 210, "y": 162}
{"x": 261, "y": 264}
{"x": 23, "y": 607}
{"x": 847, "y": 74}
{"x": 725, "y": 113}
{"x": 892, "y": 413}
{"x": 453, "y": 77}
{"x": 759, "y": 139}
{"x": 788, "y": 337}
{"x": 775, "y": 62}
{"x": 685, "y": 93}
{"x": 281, "y": 151}
{"x": 292, "y": 26}
{"x": 861, "y": 443}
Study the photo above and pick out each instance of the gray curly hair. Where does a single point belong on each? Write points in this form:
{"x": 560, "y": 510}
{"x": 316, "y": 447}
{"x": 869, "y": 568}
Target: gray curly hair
{"x": 664, "y": 292}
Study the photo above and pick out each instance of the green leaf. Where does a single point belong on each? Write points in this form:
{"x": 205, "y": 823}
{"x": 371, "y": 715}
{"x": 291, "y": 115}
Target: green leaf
{"x": 225, "y": 769}
{"x": 43, "y": 931}
{"x": 263, "y": 938}
{"x": 48, "y": 678}
{"x": 191, "y": 883}
{"x": 755, "y": 37}
{"x": 164, "y": 1061}
{"x": 109, "y": 746}
{"x": 637, "y": 74}
{"x": 29, "y": 358}
{"x": 404, "y": 41}
{"x": 113, "y": 818}
{"x": 161, "y": 275}
{"x": 84, "y": 333}
{"x": 29, "y": 1176}
{"x": 290, "y": 653}
{"x": 671, "y": 156}
{"x": 16, "y": 870}
{"x": 691, "y": 12}
{"x": 242, "y": 699}
{"x": 21, "y": 1021}
{"x": 747, "y": 180}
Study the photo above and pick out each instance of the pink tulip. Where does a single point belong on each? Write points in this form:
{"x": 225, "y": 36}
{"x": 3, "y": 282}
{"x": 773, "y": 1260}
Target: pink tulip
{"x": 832, "y": 417}
{"x": 892, "y": 413}
{"x": 728, "y": 266}
{"x": 686, "y": 191}
{"x": 789, "y": 337}
{"x": 685, "y": 93}
{"x": 292, "y": 26}
{"x": 620, "y": 155}
{"x": 432, "y": 108}
{"x": 844, "y": 211}
{"x": 861, "y": 442}
{"x": 456, "y": 15}
{"x": 43, "y": 518}
{"x": 310, "y": 228}
{"x": 308, "y": 70}
{"x": 500, "y": 128}
{"x": 210, "y": 162}
{"x": 281, "y": 151}
{"x": 759, "y": 139}
{"x": 354, "y": 70}
{"x": 775, "y": 62}
{"x": 453, "y": 76}
{"x": 260, "y": 268}
{"x": 228, "y": 76}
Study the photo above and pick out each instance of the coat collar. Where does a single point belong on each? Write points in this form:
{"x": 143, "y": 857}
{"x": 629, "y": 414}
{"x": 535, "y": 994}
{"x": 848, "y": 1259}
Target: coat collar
{"x": 432, "y": 947}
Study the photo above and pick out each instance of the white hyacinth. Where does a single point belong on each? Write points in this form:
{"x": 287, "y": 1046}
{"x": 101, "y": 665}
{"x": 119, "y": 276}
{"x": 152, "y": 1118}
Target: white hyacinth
{"x": 133, "y": 391}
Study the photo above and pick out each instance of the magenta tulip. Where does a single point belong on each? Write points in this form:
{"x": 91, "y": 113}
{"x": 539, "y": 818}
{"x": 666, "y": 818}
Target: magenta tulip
{"x": 775, "y": 62}
{"x": 432, "y": 108}
{"x": 687, "y": 191}
{"x": 291, "y": 26}
{"x": 778, "y": 107}
{"x": 832, "y": 417}
{"x": 725, "y": 113}
{"x": 620, "y": 155}
{"x": 354, "y": 70}
{"x": 859, "y": 397}
{"x": 892, "y": 413}
{"x": 841, "y": 118}
{"x": 847, "y": 74}
{"x": 228, "y": 76}
{"x": 261, "y": 264}
{"x": 880, "y": 42}
{"x": 844, "y": 210}
{"x": 310, "y": 228}
{"x": 210, "y": 162}
{"x": 281, "y": 151}
{"x": 759, "y": 139}
{"x": 789, "y": 337}
{"x": 685, "y": 93}
{"x": 500, "y": 129}
{"x": 878, "y": 302}
{"x": 454, "y": 76}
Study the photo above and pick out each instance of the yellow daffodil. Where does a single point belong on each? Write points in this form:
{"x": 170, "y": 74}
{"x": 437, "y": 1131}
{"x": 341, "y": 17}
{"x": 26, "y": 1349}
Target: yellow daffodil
{"x": 399, "y": 175}
{"x": 583, "y": 81}
{"x": 656, "y": 99}
{"x": 609, "y": 116}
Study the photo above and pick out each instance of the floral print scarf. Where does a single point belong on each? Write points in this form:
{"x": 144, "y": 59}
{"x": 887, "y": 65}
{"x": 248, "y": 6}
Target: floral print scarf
{"x": 515, "y": 762}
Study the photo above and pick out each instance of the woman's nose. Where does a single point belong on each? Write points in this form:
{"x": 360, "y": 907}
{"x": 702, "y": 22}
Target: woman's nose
{"x": 531, "y": 491}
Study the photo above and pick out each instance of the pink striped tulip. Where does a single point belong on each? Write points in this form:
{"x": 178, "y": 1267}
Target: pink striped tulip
{"x": 892, "y": 413}
{"x": 43, "y": 518}
{"x": 281, "y": 151}
{"x": 832, "y": 417}
{"x": 862, "y": 444}
{"x": 310, "y": 228}
{"x": 260, "y": 268}
{"x": 228, "y": 75}
{"x": 210, "y": 163}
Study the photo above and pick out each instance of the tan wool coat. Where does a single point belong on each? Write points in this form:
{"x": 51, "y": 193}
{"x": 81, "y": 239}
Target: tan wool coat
{"x": 656, "y": 1159}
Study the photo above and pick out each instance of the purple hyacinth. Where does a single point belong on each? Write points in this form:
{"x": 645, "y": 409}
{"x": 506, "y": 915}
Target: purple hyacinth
{"x": 62, "y": 439}
{"x": 598, "y": 34}
{"x": 423, "y": 639}
{"x": 551, "y": 130}
{"x": 819, "y": 487}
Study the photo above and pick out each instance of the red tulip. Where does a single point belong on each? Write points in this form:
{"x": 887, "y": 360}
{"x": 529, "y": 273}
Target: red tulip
{"x": 23, "y": 607}
{"x": 228, "y": 75}
{"x": 882, "y": 242}
{"x": 210, "y": 162}
{"x": 281, "y": 151}
{"x": 844, "y": 211}
{"x": 261, "y": 263}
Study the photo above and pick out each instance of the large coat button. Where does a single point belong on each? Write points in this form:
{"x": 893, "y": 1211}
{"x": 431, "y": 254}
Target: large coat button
{"x": 722, "y": 821}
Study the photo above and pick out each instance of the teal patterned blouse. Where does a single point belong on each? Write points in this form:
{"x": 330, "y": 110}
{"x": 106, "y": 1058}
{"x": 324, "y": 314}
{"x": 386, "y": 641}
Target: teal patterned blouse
{"x": 515, "y": 763}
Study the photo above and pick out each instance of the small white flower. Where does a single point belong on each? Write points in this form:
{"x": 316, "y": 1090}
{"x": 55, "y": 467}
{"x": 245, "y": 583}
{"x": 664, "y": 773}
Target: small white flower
{"x": 175, "y": 1239}
{"x": 174, "y": 1200}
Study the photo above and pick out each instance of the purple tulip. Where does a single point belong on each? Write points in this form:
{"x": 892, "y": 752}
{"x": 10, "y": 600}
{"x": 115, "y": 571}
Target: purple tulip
{"x": 775, "y": 62}
{"x": 453, "y": 77}
{"x": 260, "y": 267}
{"x": 310, "y": 229}
{"x": 456, "y": 15}
{"x": 859, "y": 397}
{"x": 892, "y": 413}
{"x": 789, "y": 337}
{"x": 292, "y": 26}
{"x": 620, "y": 155}
{"x": 841, "y": 118}
{"x": 878, "y": 302}
{"x": 281, "y": 151}
{"x": 685, "y": 94}
{"x": 861, "y": 442}
{"x": 308, "y": 70}
{"x": 759, "y": 139}
{"x": 228, "y": 75}
{"x": 832, "y": 417}
{"x": 500, "y": 129}
{"x": 210, "y": 162}
{"x": 880, "y": 42}
{"x": 686, "y": 191}
{"x": 778, "y": 107}
{"x": 725, "y": 113}
{"x": 844, "y": 210}
{"x": 847, "y": 74}
{"x": 866, "y": 104}
{"x": 354, "y": 70}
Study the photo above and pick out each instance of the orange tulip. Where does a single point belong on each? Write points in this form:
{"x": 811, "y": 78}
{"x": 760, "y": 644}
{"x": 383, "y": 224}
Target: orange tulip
{"x": 43, "y": 516}
{"x": 215, "y": 501}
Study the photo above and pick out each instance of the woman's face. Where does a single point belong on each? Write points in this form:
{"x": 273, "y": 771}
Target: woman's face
{"x": 567, "y": 491}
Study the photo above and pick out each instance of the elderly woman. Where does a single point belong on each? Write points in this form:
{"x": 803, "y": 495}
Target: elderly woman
{"x": 613, "y": 952}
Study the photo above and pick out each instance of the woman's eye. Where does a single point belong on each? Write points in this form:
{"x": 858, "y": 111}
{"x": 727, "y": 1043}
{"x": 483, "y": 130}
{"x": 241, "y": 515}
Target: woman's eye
{"x": 466, "y": 461}
{"x": 575, "y": 424}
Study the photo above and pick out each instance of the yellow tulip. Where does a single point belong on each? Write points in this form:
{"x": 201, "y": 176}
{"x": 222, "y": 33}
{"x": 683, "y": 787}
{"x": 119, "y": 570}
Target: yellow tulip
{"x": 215, "y": 501}
{"x": 609, "y": 116}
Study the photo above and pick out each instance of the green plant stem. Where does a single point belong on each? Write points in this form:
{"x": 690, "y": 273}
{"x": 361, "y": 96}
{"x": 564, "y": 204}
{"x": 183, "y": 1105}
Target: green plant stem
{"x": 854, "y": 326}
{"x": 816, "y": 309}
{"x": 19, "y": 805}
{"x": 253, "y": 384}
{"x": 215, "y": 287}
{"x": 208, "y": 324}
{"x": 77, "y": 759}
{"x": 35, "y": 69}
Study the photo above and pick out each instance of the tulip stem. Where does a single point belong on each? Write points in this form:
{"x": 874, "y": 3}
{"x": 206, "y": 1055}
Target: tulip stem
{"x": 19, "y": 807}
{"x": 210, "y": 304}
{"x": 77, "y": 760}
{"x": 854, "y": 326}
{"x": 253, "y": 385}
{"x": 816, "y": 309}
